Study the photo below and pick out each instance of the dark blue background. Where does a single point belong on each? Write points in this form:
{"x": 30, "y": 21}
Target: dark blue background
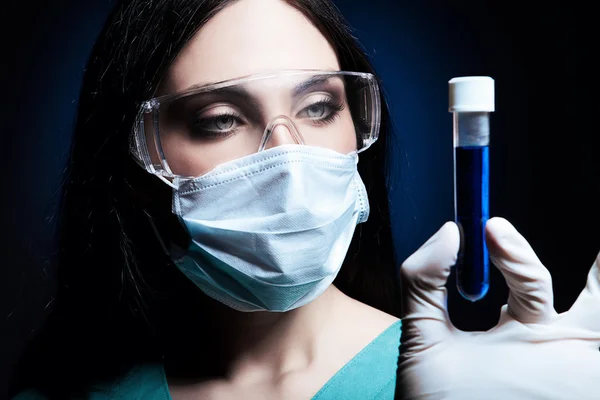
{"x": 542, "y": 178}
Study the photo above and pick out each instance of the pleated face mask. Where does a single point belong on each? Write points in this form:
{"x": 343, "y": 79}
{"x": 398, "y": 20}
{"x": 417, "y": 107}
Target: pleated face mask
{"x": 271, "y": 231}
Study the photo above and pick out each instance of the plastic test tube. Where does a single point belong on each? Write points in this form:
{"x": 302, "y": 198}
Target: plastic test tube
{"x": 471, "y": 101}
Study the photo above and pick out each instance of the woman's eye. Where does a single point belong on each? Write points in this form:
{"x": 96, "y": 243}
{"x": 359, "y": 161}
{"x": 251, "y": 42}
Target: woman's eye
{"x": 223, "y": 122}
{"x": 216, "y": 123}
{"x": 316, "y": 111}
{"x": 322, "y": 111}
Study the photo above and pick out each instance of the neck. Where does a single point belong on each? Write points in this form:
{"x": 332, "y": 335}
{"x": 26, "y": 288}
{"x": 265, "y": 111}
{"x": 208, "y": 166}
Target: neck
{"x": 257, "y": 344}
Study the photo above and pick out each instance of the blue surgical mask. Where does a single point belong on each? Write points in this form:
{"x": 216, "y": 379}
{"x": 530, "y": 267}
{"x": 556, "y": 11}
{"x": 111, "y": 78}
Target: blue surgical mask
{"x": 270, "y": 231}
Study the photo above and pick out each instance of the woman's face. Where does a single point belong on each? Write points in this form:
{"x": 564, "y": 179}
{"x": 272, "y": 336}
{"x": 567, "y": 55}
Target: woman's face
{"x": 245, "y": 38}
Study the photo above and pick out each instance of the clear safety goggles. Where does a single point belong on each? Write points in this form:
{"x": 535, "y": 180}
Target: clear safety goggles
{"x": 187, "y": 134}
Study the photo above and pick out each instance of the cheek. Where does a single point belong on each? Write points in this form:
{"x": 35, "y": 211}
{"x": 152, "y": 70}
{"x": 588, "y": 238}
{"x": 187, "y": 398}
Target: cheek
{"x": 193, "y": 158}
{"x": 183, "y": 157}
{"x": 188, "y": 158}
{"x": 349, "y": 143}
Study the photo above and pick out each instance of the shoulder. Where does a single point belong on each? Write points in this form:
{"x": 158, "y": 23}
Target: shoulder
{"x": 372, "y": 373}
{"x": 29, "y": 395}
{"x": 143, "y": 382}
{"x": 382, "y": 328}
{"x": 146, "y": 381}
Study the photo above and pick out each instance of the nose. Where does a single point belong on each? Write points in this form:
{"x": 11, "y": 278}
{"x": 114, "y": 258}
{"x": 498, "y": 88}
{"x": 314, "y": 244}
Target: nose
{"x": 280, "y": 134}
{"x": 280, "y": 131}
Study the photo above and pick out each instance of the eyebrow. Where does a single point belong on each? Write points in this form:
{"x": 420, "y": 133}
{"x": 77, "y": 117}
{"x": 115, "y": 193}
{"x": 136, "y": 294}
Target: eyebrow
{"x": 309, "y": 83}
{"x": 233, "y": 91}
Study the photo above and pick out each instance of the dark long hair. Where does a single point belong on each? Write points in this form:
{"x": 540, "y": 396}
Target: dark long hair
{"x": 120, "y": 301}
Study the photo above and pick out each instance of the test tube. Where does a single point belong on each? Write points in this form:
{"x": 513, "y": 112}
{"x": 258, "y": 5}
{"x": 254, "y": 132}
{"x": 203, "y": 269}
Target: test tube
{"x": 471, "y": 101}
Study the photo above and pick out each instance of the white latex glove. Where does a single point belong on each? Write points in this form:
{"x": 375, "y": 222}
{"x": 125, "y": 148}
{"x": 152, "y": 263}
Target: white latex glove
{"x": 533, "y": 352}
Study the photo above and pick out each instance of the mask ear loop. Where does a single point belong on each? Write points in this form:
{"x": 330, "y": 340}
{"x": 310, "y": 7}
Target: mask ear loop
{"x": 168, "y": 182}
{"x": 280, "y": 120}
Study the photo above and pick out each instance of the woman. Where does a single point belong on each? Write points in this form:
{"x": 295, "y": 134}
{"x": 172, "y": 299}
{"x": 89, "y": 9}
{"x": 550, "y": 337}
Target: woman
{"x": 127, "y": 303}
{"x": 214, "y": 194}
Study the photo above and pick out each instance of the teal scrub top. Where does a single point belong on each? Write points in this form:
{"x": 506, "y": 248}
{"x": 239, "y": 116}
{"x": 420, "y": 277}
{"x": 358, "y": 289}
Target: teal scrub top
{"x": 371, "y": 374}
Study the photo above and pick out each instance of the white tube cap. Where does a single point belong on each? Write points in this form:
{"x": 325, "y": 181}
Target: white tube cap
{"x": 471, "y": 94}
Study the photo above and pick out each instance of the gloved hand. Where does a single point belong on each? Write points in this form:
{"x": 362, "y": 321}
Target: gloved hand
{"x": 532, "y": 353}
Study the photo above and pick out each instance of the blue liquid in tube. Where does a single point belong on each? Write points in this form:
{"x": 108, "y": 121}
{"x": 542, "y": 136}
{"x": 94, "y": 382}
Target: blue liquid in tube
{"x": 472, "y": 213}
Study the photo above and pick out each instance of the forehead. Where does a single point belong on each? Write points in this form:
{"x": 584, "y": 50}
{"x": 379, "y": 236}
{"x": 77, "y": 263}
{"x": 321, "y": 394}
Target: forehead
{"x": 248, "y": 37}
